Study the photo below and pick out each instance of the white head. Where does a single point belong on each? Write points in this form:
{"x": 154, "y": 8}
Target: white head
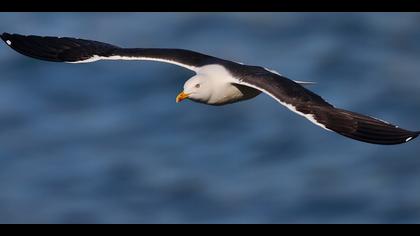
{"x": 213, "y": 85}
{"x": 197, "y": 88}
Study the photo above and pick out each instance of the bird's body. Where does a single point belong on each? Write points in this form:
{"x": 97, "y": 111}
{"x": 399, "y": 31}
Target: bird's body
{"x": 224, "y": 90}
{"x": 219, "y": 82}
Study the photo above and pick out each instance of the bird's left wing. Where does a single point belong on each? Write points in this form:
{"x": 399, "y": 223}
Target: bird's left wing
{"x": 308, "y": 104}
{"x": 73, "y": 50}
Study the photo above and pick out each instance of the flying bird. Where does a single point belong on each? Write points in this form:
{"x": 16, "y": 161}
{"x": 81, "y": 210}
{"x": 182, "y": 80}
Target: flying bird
{"x": 218, "y": 82}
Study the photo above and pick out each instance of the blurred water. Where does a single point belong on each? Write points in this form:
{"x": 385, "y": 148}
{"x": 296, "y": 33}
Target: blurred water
{"x": 106, "y": 143}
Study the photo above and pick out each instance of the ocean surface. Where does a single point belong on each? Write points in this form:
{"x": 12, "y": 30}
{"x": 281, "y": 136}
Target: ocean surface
{"x": 105, "y": 142}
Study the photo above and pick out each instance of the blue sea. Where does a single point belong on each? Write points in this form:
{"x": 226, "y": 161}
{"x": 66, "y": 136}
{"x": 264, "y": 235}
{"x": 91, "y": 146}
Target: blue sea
{"x": 105, "y": 142}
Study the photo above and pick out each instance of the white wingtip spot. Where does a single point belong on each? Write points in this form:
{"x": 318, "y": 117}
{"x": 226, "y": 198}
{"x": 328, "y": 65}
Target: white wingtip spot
{"x": 9, "y": 42}
{"x": 408, "y": 139}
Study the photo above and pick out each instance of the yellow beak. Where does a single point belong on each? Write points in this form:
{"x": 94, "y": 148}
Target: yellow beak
{"x": 181, "y": 96}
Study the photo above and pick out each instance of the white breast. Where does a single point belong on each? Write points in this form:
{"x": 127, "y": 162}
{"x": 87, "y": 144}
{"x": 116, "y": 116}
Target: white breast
{"x": 224, "y": 92}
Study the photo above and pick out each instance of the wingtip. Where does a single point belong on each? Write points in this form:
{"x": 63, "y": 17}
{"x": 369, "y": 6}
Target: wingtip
{"x": 5, "y": 37}
{"x": 411, "y": 138}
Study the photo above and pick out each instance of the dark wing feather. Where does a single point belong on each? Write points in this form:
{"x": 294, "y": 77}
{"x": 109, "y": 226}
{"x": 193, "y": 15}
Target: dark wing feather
{"x": 361, "y": 127}
{"x": 304, "y": 102}
{"x": 57, "y": 49}
{"x": 79, "y": 50}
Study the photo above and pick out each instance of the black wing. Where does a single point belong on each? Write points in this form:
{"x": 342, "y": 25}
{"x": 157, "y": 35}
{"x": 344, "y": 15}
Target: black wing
{"x": 317, "y": 110}
{"x": 81, "y": 51}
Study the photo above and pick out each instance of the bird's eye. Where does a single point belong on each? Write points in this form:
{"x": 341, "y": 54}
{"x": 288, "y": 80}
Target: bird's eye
{"x": 197, "y": 85}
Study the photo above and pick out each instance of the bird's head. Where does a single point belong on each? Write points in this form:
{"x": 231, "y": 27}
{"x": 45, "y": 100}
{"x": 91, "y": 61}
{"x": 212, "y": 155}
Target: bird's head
{"x": 196, "y": 89}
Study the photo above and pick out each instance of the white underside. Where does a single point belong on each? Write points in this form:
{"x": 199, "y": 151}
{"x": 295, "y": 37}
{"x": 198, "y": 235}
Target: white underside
{"x": 97, "y": 58}
{"x": 220, "y": 81}
{"x": 8, "y": 42}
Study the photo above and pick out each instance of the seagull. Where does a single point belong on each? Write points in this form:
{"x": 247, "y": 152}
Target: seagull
{"x": 219, "y": 82}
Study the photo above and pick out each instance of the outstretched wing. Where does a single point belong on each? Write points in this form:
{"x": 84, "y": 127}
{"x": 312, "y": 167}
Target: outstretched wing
{"x": 74, "y": 50}
{"x": 308, "y": 104}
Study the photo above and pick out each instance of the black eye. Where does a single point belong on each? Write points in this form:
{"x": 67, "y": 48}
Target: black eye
{"x": 197, "y": 85}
